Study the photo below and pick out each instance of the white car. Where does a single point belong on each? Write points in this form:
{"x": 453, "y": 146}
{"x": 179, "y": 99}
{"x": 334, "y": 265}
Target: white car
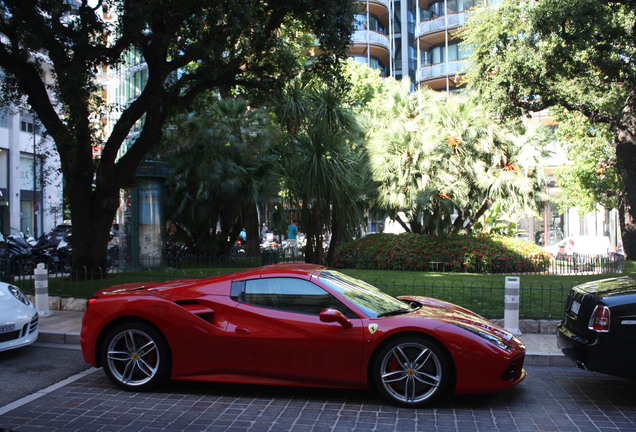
{"x": 591, "y": 246}
{"x": 18, "y": 318}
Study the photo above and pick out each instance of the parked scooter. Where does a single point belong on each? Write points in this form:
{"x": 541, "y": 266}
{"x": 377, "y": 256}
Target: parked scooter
{"x": 44, "y": 252}
{"x": 15, "y": 254}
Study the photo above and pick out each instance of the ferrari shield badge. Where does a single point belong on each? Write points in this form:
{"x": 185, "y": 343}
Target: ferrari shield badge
{"x": 373, "y": 328}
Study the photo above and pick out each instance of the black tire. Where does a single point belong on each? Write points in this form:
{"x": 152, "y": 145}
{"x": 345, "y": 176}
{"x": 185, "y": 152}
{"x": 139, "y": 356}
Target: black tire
{"x": 135, "y": 357}
{"x": 412, "y": 372}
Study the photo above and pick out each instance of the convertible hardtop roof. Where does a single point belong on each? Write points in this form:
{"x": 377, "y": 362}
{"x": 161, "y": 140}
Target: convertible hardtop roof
{"x": 286, "y": 269}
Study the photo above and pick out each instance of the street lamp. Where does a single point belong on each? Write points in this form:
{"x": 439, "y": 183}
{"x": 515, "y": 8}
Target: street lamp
{"x": 36, "y": 207}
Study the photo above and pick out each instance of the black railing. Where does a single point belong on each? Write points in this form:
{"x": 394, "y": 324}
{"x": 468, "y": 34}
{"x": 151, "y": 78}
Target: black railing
{"x": 577, "y": 264}
{"x": 538, "y": 300}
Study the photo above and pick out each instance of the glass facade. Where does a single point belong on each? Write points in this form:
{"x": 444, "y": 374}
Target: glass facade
{"x": 373, "y": 62}
{"x": 417, "y": 37}
{"x": 440, "y": 8}
{"x": 437, "y": 54}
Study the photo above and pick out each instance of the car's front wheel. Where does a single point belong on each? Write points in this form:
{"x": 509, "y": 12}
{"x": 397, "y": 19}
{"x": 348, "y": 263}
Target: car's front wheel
{"x": 412, "y": 371}
{"x": 135, "y": 357}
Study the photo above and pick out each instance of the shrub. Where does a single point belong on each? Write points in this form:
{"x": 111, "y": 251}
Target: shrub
{"x": 456, "y": 253}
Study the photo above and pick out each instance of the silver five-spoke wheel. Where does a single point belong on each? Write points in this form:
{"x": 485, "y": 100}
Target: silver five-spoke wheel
{"x": 411, "y": 371}
{"x": 135, "y": 357}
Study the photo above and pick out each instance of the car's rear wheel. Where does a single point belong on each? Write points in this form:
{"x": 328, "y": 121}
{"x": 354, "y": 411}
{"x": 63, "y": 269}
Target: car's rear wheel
{"x": 412, "y": 371}
{"x": 135, "y": 357}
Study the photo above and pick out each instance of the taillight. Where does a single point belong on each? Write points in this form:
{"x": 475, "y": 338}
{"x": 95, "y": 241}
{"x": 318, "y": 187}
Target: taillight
{"x": 91, "y": 301}
{"x": 600, "y": 320}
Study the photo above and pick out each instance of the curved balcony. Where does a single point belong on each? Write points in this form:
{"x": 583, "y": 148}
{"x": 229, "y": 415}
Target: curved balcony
{"x": 371, "y": 42}
{"x": 379, "y": 8}
{"x": 432, "y": 32}
{"x": 374, "y": 5}
{"x": 434, "y": 76}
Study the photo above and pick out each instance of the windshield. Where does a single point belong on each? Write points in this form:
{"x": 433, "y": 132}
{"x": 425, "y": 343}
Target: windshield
{"x": 366, "y": 297}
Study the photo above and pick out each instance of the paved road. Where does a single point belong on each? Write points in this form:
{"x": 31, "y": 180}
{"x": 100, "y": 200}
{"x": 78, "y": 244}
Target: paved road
{"x": 26, "y": 370}
{"x": 551, "y": 399}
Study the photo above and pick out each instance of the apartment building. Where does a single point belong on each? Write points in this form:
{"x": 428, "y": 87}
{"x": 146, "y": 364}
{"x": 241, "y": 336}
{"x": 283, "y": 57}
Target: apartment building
{"x": 30, "y": 176}
{"x": 415, "y": 39}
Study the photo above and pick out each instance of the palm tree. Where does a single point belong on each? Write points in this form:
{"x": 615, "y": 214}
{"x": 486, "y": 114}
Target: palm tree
{"x": 401, "y": 151}
{"x": 220, "y": 171}
{"x": 322, "y": 173}
{"x": 491, "y": 160}
{"x": 444, "y": 163}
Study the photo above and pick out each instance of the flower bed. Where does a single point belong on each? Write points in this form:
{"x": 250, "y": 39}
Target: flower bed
{"x": 453, "y": 253}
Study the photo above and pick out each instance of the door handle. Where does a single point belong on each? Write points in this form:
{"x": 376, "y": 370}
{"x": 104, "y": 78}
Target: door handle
{"x": 241, "y": 330}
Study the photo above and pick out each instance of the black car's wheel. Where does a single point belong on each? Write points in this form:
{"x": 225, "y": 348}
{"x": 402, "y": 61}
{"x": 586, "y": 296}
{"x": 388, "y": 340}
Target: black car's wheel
{"x": 412, "y": 371}
{"x": 136, "y": 357}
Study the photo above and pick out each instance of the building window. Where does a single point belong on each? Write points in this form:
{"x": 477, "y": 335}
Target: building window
{"x": 4, "y": 119}
{"x": 437, "y": 54}
{"x": 373, "y": 63}
{"x": 374, "y": 24}
{"x": 26, "y": 126}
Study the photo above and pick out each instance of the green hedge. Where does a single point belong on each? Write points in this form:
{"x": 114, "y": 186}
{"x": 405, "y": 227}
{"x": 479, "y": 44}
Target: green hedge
{"x": 452, "y": 253}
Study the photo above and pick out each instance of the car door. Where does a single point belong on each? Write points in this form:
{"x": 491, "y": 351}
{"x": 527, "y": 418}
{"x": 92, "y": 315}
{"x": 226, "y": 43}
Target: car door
{"x": 275, "y": 333}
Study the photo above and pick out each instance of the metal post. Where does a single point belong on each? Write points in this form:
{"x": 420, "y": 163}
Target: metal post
{"x": 511, "y": 307}
{"x": 41, "y": 277}
{"x": 35, "y": 185}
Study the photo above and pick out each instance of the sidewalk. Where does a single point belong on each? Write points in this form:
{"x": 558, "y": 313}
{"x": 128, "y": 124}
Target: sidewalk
{"x": 64, "y": 327}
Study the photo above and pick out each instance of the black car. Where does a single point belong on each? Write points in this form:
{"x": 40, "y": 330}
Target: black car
{"x": 598, "y": 330}
{"x": 59, "y": 233}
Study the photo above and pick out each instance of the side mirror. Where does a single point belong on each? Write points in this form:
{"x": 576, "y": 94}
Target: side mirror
{"x": 332, "y": 315}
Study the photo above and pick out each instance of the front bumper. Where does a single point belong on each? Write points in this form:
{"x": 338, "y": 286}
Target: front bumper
{"x": 25, "y": 334}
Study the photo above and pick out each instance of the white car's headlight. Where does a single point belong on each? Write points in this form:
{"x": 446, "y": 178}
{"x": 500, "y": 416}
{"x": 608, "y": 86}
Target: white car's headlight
{"x": 17, "y": 293}
{"x": 489, "y": 337}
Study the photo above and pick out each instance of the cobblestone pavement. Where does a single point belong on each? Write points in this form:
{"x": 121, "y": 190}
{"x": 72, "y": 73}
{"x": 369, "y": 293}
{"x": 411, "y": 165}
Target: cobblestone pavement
{"x": 550, "y": 399}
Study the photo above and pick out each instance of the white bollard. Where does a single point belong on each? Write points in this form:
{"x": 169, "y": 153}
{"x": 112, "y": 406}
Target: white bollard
{"x": 41, "y": 277}
{"x": 511, "y": 306}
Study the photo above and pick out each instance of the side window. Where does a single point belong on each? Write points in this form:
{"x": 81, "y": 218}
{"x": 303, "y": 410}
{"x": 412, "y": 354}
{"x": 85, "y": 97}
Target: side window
{"x": 291, "y": 295}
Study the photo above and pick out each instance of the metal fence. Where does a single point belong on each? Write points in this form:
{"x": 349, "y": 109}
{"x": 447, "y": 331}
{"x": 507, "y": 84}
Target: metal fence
{"x": 538, "y": 300}
{"x": 512, "y": 264}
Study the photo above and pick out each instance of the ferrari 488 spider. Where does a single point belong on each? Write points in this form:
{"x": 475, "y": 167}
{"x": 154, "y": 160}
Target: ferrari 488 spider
{"x": 297, "y": 325}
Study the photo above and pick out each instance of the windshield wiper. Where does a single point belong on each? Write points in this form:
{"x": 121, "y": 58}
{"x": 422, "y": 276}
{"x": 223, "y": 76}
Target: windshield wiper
{"x": 394, "y": 312}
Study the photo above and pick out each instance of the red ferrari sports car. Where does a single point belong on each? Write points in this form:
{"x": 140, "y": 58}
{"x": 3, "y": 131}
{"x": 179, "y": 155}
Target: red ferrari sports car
{"x": 297, "y": 325}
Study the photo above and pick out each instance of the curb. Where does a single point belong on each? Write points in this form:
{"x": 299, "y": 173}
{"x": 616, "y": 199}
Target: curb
{"x": 59, "y": 337}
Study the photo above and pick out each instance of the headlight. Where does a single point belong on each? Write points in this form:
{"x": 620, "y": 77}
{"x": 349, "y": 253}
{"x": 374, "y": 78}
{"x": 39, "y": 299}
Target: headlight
{"x": 489, "y": 337}
{"x": 17, "y": 293}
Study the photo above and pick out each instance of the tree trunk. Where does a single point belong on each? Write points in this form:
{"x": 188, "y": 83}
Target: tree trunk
{"x": 628, "y": 229}
{"x": 403, "y": 224}
{"x": 92, "y": 222}
{"x": 625, "y": 133}
{"x": 335, "y": 226}
{"x": 485, "y": 206}
{"x": 416, "y": 226}
{"x": 253, "y": 244}
{"x": 307, "y": 224}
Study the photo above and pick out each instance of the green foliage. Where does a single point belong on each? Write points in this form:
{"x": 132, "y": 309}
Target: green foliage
{"x": 322, "y": 166}
{"x": 221, "y": 164}
{"x": 187, "y": 47}
{"x": 496, "y": 222}
{"x": 435, "y": 158}
{"x": 365, "y": 85}
{"x": 592, "y": 178}
{"x": 567, "y": 56}
{"x": 454, "y": 253}
{"x": 531, "y": 55}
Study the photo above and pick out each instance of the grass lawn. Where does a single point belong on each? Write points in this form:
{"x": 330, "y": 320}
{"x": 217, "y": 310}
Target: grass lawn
{"x": 542, "y": 296}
